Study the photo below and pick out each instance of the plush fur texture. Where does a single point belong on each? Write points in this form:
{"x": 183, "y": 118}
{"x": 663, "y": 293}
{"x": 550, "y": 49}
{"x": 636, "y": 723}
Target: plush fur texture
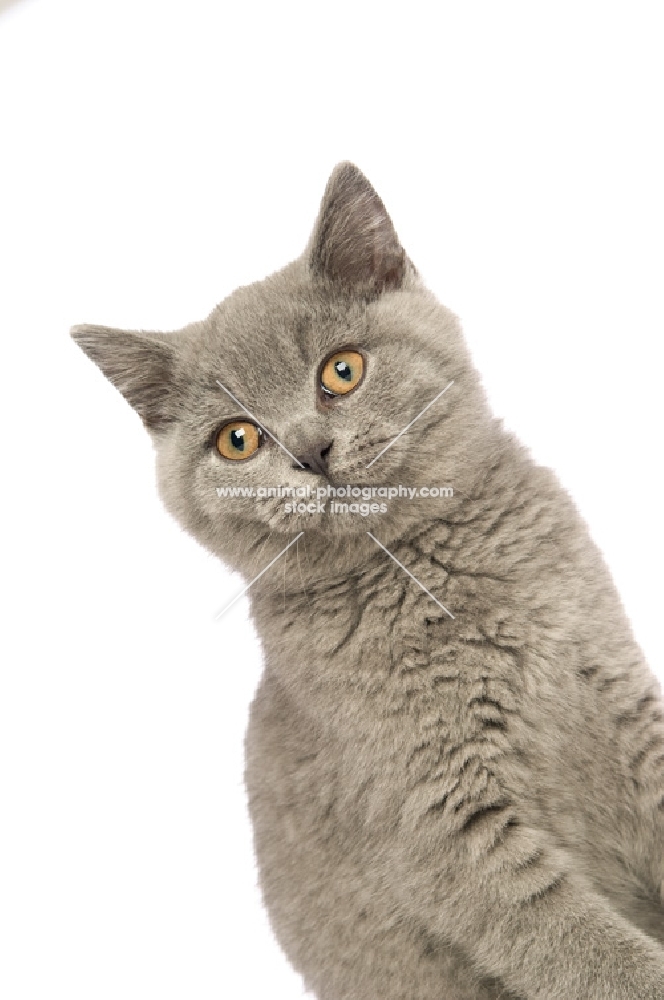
{"x": 444, "y": 809}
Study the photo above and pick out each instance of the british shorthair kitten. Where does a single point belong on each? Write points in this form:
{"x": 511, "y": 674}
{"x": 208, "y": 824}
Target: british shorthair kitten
{"x": 455, "y": 757}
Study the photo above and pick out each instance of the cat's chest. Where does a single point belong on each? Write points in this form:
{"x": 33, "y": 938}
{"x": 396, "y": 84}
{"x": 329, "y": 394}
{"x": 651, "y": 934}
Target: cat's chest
{"x": 394, "y": 708}
{"x": 386, "y": 656}
{"x": 405, "y": 691}
{"x": 352, "y": 637}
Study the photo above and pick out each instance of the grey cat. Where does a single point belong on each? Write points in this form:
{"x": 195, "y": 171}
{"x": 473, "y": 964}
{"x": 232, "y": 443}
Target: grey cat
{"x": 445, "y": 808}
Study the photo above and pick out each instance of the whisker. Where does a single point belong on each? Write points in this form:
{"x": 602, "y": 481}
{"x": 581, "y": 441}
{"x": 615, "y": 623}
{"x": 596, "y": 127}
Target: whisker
{"x": 299, "y": 569}
{"x": 285, "y": 561}
{"x": 262, "y": 546}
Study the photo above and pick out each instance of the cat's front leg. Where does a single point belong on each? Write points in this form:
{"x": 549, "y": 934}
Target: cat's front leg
{"x": 643, "y": 853}
{"x": 523, "y": 913}
{"x": 326, "y": 896}
{"x": 638, "y": 833}
{"x": 647, "y": 778}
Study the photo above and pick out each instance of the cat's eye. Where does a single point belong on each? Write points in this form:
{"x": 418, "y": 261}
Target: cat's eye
{"x": 238, "y": 439}
{"x": 342, "y": 372}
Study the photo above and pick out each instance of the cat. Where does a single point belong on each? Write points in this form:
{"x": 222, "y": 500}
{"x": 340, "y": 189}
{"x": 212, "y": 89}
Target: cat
{"x": 455, "y": 756}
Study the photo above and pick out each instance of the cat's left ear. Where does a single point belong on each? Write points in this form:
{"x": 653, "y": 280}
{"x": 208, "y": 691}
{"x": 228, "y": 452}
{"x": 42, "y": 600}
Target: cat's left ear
{"x": 354, "y": 244}
{"x": 142, "y": 366}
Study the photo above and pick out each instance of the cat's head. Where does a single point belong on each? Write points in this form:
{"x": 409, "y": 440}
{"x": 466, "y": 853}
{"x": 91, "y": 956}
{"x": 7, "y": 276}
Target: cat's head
{"x": 303, "y": 379}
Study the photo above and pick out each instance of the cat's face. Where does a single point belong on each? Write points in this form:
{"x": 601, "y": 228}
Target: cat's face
{"x": 328, "y": 361}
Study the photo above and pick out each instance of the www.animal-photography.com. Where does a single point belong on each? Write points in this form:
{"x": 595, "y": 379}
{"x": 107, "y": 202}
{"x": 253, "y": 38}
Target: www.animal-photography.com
{"x": 332, "y": 523}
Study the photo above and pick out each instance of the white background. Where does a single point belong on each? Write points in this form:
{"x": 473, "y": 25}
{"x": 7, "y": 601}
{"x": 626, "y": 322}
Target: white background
{"x": 153, "y": 155}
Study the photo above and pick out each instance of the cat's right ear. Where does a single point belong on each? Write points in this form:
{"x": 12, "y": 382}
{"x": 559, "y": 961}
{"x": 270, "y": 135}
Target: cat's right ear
{"x": 354, "y": 244}
{"x": 142, "y": 366}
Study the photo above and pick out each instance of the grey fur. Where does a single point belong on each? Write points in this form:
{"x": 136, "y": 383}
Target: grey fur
{"x": 443, "y": 809}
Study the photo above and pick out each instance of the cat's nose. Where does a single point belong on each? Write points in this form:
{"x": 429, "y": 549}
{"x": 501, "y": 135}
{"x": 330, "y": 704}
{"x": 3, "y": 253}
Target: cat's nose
{"x": 314, "y": 458}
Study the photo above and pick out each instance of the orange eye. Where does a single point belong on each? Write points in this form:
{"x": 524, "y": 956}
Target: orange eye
{"x": 342, "y": 372}
{"x": 238, "y": 439}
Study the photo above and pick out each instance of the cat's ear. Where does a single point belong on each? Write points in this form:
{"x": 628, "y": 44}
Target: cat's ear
{"x": 354, "y": 243}
{"x": 141, "y": 365}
